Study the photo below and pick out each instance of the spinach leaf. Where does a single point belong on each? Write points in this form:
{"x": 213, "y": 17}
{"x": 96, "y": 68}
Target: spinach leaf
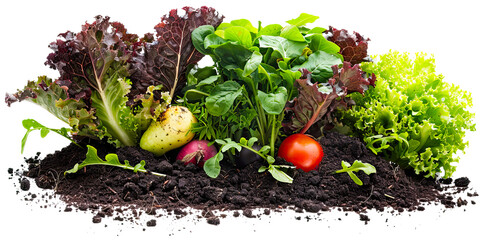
{"x": 212, "y": 41}
{"x": 303, "y": 19}
{"x": 239, "y": 34}
{"x": 222, "y": 97}
{"x": 198, "y": 38}
{"x": 232, "y": 56}
{"x": 320, "y": 65}
{"x": 273, "y": 103}
{"x": 292, "y": 33}
{"x": 319, "y": 43}
{"x": 288, "y": 49}
{"x": 271, "y": 30}
{"x": 244, "y": 23}
{"x": 252, "y": 63}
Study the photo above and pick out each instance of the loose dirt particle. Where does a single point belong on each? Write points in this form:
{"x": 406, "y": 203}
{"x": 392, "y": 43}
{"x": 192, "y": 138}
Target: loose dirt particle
{"x": 152, "y": 223}
{"x": 462, "y": 182}
{"x": 25, "y": 184}
{"x": 213, "y": 220}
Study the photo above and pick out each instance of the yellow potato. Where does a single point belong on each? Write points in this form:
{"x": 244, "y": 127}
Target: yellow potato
{"x": 170, "y": 131}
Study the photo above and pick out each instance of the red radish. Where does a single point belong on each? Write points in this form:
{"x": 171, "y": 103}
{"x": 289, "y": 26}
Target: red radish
{"x": 196, "y": 152}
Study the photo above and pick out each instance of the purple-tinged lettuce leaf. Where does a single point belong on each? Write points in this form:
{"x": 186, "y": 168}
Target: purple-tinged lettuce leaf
{"x": 311, "y": 105}
{"x": 71, "y": 63}
{"x": 107, "y": 53}
{"x": 352, "y": 78}
{"x": 166, "y": 60}
{"x": 353, "y": 47}
{"x": 54, "y": 98}
{"x": 46, "y": 93}
{"x": 316, "y": 101}
{"x": 93, "y": 66}
{"x": 151, "y": 108}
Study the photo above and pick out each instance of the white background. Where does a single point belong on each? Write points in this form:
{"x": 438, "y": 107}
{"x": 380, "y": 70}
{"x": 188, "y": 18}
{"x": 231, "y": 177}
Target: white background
{"x": 447, "y": 29}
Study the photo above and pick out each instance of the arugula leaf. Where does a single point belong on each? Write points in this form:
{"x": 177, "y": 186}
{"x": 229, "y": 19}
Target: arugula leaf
{"x": 32, "y": 125}
{"x": 212, "y": 166}
{"x": 357, "y": 165}
{"x": 244, "y": 23}
{"x": 110, "y": 160}
{"x": 279, "y": 175}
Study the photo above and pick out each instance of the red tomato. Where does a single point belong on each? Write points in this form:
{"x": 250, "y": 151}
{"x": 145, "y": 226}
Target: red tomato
{"x": 301, "y": 150}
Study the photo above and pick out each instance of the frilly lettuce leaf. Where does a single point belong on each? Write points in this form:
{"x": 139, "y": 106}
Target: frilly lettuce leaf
{"x": 353, "y": 47}
{"x": 317, "y": 101}
{"x": 165, "y": 60}
{"x": 412, "y": 117}
{"x": 94, "y": 93}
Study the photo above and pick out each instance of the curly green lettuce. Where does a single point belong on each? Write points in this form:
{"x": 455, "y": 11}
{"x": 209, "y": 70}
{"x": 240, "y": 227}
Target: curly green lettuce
{"x": 412, "y": 117}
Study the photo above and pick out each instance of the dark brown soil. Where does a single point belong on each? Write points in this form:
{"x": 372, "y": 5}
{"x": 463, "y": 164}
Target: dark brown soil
{"x": 103, "y": 189}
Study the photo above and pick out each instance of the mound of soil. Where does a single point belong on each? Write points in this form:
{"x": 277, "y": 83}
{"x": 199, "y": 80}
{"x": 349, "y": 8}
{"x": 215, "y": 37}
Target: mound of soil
{"x": 238, "y": 189}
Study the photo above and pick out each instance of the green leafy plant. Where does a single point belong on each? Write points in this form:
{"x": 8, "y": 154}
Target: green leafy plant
{"x": 253, "y": 77}
{"x": 357, "y": 165}
{"x": 256, "y": 73}
{"x": 110, "y": 160}
{"x": 412, "y": 117}
{"x": 32, "y": 125}
{"x": 108, "y": 86}
{"x": 212, "y": 166}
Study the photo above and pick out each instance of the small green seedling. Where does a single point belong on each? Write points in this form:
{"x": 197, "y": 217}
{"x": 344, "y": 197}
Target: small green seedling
{"x": 110, "y": 160}
{"x": 355, "y": 167}
{"x": 212, "y": 166}
{"x": 32, "y": 125}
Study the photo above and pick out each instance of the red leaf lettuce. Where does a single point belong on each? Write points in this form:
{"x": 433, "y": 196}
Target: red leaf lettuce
{"x": 166, "y": 60}
{"x": 353, "y": 47}
{"x": 317, "y": 101}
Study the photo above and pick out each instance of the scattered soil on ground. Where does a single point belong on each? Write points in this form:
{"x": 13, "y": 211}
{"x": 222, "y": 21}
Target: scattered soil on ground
{"x": 106, "y": 189}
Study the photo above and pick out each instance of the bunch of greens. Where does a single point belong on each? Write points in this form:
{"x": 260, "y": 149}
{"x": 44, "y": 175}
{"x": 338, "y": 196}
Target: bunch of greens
{"x": 254, "y": 76}
{"x": 412, "y": 117}
{"x": 110, "y": 80}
